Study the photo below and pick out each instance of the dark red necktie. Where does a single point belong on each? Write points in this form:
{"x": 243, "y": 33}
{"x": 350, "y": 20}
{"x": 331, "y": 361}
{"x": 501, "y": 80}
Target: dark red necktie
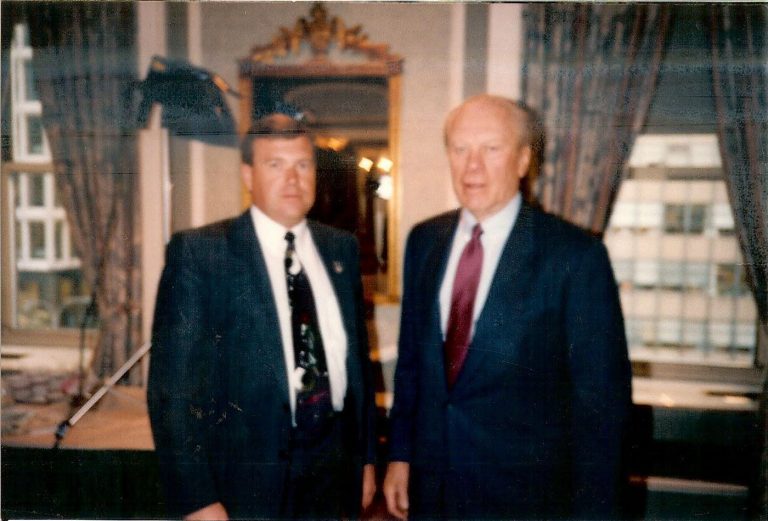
{"x": 462, "y": 305}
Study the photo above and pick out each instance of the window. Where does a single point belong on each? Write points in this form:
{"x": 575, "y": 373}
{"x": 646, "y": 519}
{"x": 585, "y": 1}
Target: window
{"x": 47, "y": 290}
{"x": 29, "y": 142}
{"x": 676, "y": 257}
{"x": 731, "y": 280}
{"x": 684, "y": 218}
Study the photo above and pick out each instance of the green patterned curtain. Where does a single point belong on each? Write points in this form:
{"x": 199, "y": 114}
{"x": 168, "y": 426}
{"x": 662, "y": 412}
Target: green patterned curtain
{"x": 740, "y": 84}
{"x": 85, "y": 65}
{"x": 591, "y": 71}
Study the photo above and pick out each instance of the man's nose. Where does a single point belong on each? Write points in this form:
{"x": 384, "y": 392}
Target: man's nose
{"x": 474, "y": 159}
{"x": 292, "y": 174}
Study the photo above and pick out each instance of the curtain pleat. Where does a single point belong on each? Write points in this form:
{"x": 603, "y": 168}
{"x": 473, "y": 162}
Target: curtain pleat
{"x": 740, "y": 84}
{"x": 591, "y": 70}
{"x": 84, "y": 62}
{"x": 739, "y": 75}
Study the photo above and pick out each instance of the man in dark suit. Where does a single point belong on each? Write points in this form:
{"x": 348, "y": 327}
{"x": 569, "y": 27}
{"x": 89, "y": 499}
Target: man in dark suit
{"x": 512, "y": 387}
{"x": 260, "y": 393}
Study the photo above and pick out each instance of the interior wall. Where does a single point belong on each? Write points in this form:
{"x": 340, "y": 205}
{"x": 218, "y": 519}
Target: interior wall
{"x": 419, "y": 33}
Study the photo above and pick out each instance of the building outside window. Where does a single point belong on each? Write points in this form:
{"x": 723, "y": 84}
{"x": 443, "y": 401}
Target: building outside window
{"x": 677, "y": 259}
{"x": 47, "y": 288}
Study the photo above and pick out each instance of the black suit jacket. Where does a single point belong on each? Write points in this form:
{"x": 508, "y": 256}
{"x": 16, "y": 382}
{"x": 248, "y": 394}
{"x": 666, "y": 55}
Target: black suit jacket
{"x": 533, "y": 426}
{"x": 218, "y": 391}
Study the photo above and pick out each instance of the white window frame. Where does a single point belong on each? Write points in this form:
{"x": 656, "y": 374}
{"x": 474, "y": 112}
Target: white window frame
{"x": 23, "y": 109}
{"x": 16, "y": 175}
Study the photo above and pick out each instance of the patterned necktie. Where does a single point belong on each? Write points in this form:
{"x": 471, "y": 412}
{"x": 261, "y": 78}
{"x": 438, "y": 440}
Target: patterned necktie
{"x": 462, "y": 305}
{"x": 313, "y": 399}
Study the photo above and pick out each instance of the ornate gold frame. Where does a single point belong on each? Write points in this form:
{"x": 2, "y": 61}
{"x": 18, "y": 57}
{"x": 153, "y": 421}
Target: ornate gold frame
{"x": 305, "y": 51}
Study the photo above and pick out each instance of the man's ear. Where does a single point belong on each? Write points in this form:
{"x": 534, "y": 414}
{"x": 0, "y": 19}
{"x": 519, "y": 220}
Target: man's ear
{"x": 524, "y": 161}
{"x": 246, "y": 173}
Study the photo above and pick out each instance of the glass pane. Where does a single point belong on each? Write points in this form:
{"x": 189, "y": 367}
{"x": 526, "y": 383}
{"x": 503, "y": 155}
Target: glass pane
{"x": 30, "y": 89}
{"x": 59, "y": 240}
{"x": 697, "y": 275}
{"x": 34, "y": 309}
{"x": 17, "y": 231}
{"x": 726, "y": 279}
{"x": 720, "y": 334}
{"x": 622, "y": 270}
{"x": 693, "y": 333}
{"x": 722, "y": 218}
{"x": 623, "y": 215}
{"x": 674, "y": 218}
{"x": 35, "y": 135}
{"x": 48, "y": 300}
{"x": 670, "y": 332}
{"x": 649, "y": 215}
{"x": 37, "y": 239}
{"x": 697, "y": 217}
{"x": 746, "y": 335}
{"x": 742, "y": 287}
{"x": 15, "y": 187}
{"x": 647, "y": 332}
{"x": 646, "y": 273}
{"x": 36, "y": 189}
{"x": 671, "y": 275}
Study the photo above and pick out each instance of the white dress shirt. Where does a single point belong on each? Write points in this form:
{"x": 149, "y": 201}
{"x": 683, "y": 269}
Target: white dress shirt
{"x": 496, "y": 230}
{"x": 271, "y": 237}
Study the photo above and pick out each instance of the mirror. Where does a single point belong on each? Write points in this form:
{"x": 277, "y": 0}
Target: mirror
{"x": 348, "y": 89}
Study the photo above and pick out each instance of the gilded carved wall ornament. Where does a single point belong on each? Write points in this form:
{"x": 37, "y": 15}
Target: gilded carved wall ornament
{"x": 321, "y": 33}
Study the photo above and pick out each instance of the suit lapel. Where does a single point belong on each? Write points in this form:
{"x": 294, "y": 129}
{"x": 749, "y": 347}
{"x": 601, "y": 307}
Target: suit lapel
{"x": 436, "y": 260}
{"x": 506, "y": 296}
{"x": 336, "y": 265}
{"x": 245, "y": 245}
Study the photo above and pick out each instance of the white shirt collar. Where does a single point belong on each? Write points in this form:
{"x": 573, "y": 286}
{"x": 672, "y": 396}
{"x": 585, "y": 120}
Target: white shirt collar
{"x": 272, "y": 234}
{"x": 500, "y": 222}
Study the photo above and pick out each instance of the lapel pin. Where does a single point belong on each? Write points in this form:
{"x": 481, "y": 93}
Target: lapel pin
{"x": 338, "y": 267}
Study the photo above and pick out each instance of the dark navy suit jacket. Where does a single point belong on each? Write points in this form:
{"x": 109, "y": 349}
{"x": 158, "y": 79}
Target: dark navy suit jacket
{"x": 533, "y": 426}
{"x": 218, "y": 391}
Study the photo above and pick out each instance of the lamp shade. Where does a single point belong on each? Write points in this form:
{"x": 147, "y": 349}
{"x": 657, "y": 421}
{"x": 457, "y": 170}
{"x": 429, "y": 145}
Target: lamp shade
{"x": 192, "y": 101}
